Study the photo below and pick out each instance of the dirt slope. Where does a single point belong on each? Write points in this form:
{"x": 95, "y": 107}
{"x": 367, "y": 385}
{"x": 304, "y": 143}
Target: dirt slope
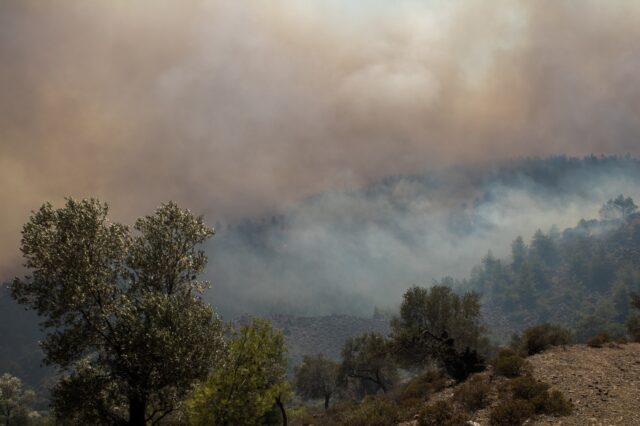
{"x": 604, "y": 383}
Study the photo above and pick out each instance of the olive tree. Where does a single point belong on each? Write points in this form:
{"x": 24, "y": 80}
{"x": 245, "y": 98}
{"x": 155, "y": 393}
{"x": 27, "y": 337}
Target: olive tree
{"x": 368, "y": 360}
{"x": 316, "y": 377}
{"x": 437, "y": 324}
{"x": 249, "y": 382}
{"x": 15, "y": 401}
{"x": 126, "y": 323}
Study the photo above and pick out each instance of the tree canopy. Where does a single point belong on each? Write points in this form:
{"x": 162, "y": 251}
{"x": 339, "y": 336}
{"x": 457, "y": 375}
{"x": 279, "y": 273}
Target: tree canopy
{"x": 437, "y": 324}
{"x": 122, "y": 308}
{"x": 316, "y": 377}
{"x": 249, "y": 381}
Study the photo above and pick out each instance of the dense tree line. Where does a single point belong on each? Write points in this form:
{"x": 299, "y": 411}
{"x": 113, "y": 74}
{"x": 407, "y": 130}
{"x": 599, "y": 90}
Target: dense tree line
{"x": 582, "y": 277}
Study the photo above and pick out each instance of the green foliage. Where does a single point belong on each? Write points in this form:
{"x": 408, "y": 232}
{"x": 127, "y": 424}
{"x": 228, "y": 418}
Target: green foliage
{"x": 367, "y": 360}
{"x": 511, "y": 412}
{"x": 541, "y": 337}
{"x": 122, "y": 308}
{"x": 474, "y": 393}
{"x": 15, "y": 401}
{"x": 372, "y": 411}
{"x": 244, "y": 387}
{"x": 618, "y": 208}
{"x": 438, "y": 324}
{"x": 316, "y": 377}
{"x": 580, "y": 278}
{"x": 441, "y": 413}
{"x": 509, "y": 364}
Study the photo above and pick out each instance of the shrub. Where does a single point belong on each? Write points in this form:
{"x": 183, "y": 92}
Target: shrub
{"x": 372, "y": 411}
{"x": 441, "y": 413}
{"x": 474, "y": 393}
{"x": 555, "y": 404}
{"x": 527, "y": 388}
{"x": 510, "y": 364}
{"x": 598, "y": 340}
{"x": 423, "y": 386}
{"x": 541, "y": 337}
{"x": 537, "y": 393}
{"x": 512, "y": 412}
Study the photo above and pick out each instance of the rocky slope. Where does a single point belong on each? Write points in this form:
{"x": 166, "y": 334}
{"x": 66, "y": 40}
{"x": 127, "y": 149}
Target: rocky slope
{"x": 604, "y": 383}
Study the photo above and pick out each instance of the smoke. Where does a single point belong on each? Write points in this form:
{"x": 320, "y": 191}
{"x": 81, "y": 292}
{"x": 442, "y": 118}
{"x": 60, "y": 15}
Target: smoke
{"x": 348, "y": 251}
{"x": 237, "y": 108}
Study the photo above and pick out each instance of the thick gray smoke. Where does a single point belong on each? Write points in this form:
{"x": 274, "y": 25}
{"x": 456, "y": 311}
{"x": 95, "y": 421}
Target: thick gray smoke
{"x": 348, "y": 251}
{"x": 235, "y": 108}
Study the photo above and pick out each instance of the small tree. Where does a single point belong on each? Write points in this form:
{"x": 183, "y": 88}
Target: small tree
{"x": 250, "y": 381}
{"x": 618, "y": 208}
{"x": 368, "y": 359}
{"x": 437, "y": 324}
{"x": 15, "y": 401}
{"x": 126, "y": 322}
{"x": 316, "y": 377}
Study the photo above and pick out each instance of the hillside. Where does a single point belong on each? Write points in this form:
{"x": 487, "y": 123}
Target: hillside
{"x": 325, "y": 334}
{"x": 603, "y": 384}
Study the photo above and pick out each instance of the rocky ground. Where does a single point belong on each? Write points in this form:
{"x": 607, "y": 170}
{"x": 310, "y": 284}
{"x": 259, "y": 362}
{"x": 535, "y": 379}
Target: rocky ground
{"x": 603, "y": 383}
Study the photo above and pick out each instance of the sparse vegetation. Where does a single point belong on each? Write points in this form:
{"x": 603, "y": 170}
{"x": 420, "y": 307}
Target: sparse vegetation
{"x": 541, "y": 337}
{"x": 509, "y": 364}
{"x": 372, "y": 411}
{"x": 474, "y": 393}
{"x": 442, "y": 413}
{"x": 599, "y": 340}
{"x": 511, "y": 412}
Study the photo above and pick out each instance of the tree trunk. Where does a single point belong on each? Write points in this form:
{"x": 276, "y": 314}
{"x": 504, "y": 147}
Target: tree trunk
{"x": 282, "y": 411}
{"x": 326, "y": 401}
{"x": 137, "y": 411}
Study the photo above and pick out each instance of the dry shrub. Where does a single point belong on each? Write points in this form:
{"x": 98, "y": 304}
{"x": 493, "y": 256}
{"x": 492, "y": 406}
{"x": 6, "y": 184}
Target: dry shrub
{"x": 372, "y": 411}
{"x": 512, "y": 412}
{"x": 423, "y": 386}
{"x": 510, "y": 364}
{"x": 442, "y": 413}
{"x": 541, "y": 337}
{"x": 537, "y": 393}
{"x": 599, "y": 340}
{"x": 474, "y": 393}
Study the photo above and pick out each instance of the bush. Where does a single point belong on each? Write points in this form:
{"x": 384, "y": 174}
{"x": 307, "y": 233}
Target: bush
{"x": 537, "y": 393}
{"x": 510, "y": 364}
{"x": 423, "y": 386}
{"x": 474, "y": 393}
{"x": 555, "y": 404}
{"x": 527, "y": 388}
{"x": 442, "y": 413}
{"x": 372, "y": 411}
{"x": 598, "y": 340}
{"x": 512, "y": 412}
{"x": 541, "y": 337}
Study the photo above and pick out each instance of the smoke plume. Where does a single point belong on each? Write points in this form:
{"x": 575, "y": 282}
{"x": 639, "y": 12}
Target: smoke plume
{"x": 237, "y": 108}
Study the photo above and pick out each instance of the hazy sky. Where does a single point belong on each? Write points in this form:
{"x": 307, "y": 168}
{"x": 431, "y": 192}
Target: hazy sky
{"x": 235, "y": 107}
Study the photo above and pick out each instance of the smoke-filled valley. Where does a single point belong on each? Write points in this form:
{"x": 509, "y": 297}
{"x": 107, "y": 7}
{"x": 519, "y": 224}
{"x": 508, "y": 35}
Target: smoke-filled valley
{"x": 350, "y": 251}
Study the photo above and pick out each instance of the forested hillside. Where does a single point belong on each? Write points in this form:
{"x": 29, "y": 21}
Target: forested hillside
{"x": 580, "y": 277}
